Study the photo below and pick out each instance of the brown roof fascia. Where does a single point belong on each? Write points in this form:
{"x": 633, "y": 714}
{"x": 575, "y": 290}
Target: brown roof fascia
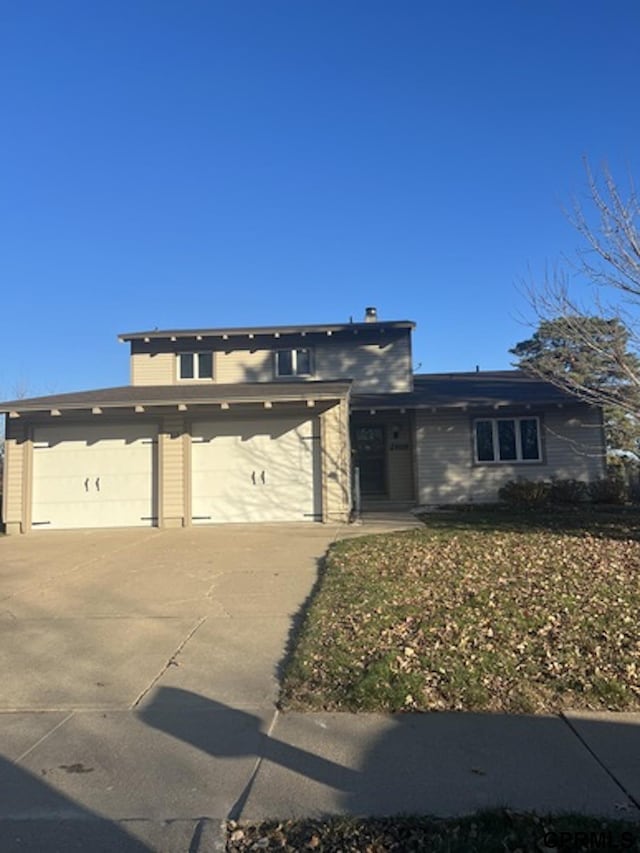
{"x": 129, "y": 396}
{"x": 323, "y": 328}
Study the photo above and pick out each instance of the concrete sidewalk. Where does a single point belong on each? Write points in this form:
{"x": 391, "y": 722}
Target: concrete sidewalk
{"x": 447, "y": 764}
{"x": 166, "y": 776}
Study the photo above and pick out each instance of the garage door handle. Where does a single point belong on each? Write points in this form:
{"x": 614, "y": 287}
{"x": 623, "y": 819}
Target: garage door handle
{"x": 262, "y": 477}
{"x": 98, "y": 484}
{"x": 253, "y": 477}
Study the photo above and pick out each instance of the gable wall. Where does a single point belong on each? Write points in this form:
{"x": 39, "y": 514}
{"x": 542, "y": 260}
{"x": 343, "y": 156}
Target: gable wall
{"x": 373, "y": 367}
{"x": 572, "y": 448}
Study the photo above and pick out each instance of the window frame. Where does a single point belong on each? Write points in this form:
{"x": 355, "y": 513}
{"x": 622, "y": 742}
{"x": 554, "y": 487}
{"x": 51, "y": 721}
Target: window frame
{"x": 196, "y": 366}
{"x": 294, "y": 362}
{"x": 516, "y": 420}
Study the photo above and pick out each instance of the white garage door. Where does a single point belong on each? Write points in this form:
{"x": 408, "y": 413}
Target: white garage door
{"x": 93, "y": 476}
{"x": 254, "y": 470}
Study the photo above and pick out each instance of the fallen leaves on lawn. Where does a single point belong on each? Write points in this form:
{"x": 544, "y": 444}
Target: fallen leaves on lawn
{"x": 472, "y": 620}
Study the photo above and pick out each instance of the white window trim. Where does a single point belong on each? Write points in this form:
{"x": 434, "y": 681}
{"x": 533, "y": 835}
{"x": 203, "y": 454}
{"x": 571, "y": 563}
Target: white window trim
{"x": 196, "y": 366}
{"x": 496, "y": 442}
{"x": 294, "y": 362}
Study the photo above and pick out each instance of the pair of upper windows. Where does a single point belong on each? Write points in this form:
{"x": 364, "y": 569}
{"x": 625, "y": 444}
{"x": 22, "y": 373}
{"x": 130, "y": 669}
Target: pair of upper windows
{"x": 287, "y": 362}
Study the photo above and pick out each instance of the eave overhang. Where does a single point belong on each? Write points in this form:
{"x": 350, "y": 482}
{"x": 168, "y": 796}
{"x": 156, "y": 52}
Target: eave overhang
{"x": 271, "y": 332}
{"x": 143, "y": 398}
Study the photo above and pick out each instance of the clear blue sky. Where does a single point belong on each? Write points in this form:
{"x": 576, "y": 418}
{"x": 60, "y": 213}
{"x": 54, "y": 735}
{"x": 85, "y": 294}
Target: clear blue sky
{"x": 201, "y": 163}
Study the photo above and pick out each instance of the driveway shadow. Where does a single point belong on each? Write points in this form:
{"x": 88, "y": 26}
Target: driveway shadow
{"x": 34, "y": 817}
{"x": 237, "y": 734}
{"x": 373, "y": 764}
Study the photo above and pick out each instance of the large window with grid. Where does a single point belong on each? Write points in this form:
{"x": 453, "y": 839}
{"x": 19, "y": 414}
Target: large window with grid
{"x": 507, "y": 440}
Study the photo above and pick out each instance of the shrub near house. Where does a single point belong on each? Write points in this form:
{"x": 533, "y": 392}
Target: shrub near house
{"x": 536, "y": 494}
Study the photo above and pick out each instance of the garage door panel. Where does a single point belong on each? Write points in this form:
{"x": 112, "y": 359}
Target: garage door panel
{"x": 253, "y": 471}
{"x": 93, "y": 476}
{"x": 76, "y": 515}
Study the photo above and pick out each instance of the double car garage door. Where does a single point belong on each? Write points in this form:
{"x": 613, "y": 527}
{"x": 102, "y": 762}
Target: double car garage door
{"x": 106, "y": 475}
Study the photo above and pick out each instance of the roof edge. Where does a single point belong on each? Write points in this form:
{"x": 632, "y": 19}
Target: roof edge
{"x": 128, "y": 396}
{"x": 239, "y": 331}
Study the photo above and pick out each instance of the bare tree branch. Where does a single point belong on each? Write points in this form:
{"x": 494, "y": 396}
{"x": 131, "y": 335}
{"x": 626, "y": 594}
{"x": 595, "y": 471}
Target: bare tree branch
{"x": 614, "y": 238}
{"x": 593, "y": 353}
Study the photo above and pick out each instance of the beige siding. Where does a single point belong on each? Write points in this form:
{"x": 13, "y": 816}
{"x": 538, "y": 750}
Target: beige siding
{"x": 243, "y": 366}
{"x": 172, "y": 441}
{"x": 13, "y": 501}
{"x": 572, "y": 448}
{"x": 230, "y": 366}
{"x": 336, "y": 477}
{"x": 153, "y": 368}
{"x": 400, "y": 460}
{"x": 373, "y": 367}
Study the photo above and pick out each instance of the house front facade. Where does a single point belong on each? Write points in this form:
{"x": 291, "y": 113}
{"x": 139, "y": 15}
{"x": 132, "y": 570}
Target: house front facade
{"x": 288, "y": 423}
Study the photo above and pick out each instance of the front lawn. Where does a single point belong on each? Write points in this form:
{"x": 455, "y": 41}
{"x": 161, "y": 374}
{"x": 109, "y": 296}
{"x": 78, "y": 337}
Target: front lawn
{"x": 519, "y": 613}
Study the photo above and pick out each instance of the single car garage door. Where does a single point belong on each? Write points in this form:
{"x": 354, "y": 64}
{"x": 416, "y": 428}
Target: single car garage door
{"x": 255, "y": 470}
{"x": 93, "y": 476}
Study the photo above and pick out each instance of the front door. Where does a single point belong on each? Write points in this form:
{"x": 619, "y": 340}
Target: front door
{"x": 369, "y": 445}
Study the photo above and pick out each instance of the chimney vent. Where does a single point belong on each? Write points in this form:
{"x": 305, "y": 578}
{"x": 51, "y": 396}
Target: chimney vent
{"x": 371, "y": 315}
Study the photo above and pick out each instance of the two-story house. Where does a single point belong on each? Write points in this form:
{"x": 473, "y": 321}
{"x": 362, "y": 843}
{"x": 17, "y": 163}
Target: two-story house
{"x": 283, "y": 423}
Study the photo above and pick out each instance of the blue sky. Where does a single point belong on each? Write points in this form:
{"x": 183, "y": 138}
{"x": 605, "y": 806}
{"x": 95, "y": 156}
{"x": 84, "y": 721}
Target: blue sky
{"x": 190, "y": 164}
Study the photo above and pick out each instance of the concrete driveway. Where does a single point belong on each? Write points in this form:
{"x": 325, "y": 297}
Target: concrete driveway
{"x": 95, "y": 625}
{"x": 96, "y": 620}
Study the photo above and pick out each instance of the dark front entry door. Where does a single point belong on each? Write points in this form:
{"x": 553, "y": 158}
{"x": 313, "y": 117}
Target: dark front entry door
{"x": 369, "y": 447}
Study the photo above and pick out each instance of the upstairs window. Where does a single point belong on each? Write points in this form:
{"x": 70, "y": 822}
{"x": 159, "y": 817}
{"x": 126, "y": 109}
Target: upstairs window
{"x": 293, "y": 362}
{"x": 507, "y": 440}
{"x": 195, "y": 365}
